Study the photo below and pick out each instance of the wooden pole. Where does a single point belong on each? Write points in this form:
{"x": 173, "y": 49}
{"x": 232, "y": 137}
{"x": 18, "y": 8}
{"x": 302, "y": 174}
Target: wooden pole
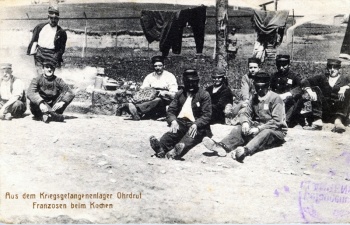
{"x": 292, "y": 39}
{"x": 116, "y": 38}
{"x": 85, "y": 38}
{"x": 221, "y": 33}
{"x": 275, "y": 3}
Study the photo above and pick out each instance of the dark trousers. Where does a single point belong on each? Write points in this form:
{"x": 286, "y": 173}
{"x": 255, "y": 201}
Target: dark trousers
{"x": 265, "y": 139}
{"x": 153, "y": 109}
{"x": 17, "y": 109}
{"x": 169, "y": 139}
{"x": 196, "y": 18}
{"x": 330, "y": 107}
{"x": 35, "y": 109}
{"x": 292, "y": 108}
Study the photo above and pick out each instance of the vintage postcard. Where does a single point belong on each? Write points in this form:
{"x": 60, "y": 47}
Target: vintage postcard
{"x": 150, "y": 111}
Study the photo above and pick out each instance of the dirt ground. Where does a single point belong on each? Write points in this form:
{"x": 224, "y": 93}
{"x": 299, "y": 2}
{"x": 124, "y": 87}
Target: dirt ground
{"x": 305, "y": 180}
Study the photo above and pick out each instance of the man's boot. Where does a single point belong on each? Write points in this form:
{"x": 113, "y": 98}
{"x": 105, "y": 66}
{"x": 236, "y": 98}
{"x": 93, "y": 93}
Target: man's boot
{"x": 155, "y": 145}
{"x": 338, "y": 126}
{"x": 56, "y": 117}
{"x": 120, "y": 109}
{"x": 133, "y": 111}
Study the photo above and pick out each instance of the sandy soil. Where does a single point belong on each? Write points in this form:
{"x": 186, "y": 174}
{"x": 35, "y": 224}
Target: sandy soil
{"x": 305, "y": 180}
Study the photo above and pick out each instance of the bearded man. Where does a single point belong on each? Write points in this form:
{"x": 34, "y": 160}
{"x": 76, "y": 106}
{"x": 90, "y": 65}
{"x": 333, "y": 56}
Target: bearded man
{"x": 188, "y": 116}
{"x": 12, "y": 95}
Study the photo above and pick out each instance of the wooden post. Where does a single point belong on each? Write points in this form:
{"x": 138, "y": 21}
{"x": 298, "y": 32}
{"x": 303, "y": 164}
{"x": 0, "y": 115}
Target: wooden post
{"x": 292, "y": 39}
{"x": 221, "y": 33}
{"x": 275, "y": 3}
{"x": 116, "y": 38}
{"x": 85, "y": 37}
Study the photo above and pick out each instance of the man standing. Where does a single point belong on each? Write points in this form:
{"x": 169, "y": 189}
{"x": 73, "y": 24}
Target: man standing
{"x": 332, "y": 90}
{"x": 12, "y": 95}
{"x": 164, "y": 83}
{"x": 286, "y": 83}
{"x": 220, "y": 95}
{"x": 48, "y": 41}
{"x": 262, "y": 124}
{"x": 49, "y": 95}
{"x": 188, "y": 117}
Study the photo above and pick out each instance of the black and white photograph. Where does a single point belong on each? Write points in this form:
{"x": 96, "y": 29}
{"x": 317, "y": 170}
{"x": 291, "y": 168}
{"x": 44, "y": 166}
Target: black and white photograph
{"x": 174, "y": 111}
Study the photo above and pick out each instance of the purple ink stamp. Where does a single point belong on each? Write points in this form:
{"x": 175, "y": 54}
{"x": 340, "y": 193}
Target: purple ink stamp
{"x": 324, "y": 202}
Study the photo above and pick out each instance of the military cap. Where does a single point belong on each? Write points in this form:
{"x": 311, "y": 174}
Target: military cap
{"x": 334, "y": 62}
{"x": 219, "y": 72}
{"x": 6, "y": 66}
{"x": 261, "y": 77}
{"x": 283, "y": 58}
{"x": 157, "y": 58}
{"x": 53, "y": 12}
{"x": 190, "y": 74}
{"x": 50, "y": 63}
{"x": 254, "y": 60}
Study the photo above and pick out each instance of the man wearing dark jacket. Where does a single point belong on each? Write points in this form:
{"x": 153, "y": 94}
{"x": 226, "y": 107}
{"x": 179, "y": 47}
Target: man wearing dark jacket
{"x": 262, "y": 124}
{"x": 49, "y": 95}
{"x": 286, "y": 83}
{"x": 332, "y": 89}
{"x": 48, "y": 41}
{"x": 188, "y": 116}
{"x": 221, "y": 95}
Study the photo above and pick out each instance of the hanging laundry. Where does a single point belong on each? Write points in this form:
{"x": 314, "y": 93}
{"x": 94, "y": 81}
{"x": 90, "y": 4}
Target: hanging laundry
{"x": 167, "y": 27}
{"x": 345, "y": 48}
{"x": 159, "y": 26}
{"x": 196, "y": 18}
{"x": 269, "y": 26}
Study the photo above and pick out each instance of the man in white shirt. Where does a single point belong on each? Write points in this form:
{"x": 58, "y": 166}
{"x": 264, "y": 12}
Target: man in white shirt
{"x": 166, "y": 85}
{"x": 188, "y": 116}
{"x": 48, "y": 41}
{"x": 12, "y": 95}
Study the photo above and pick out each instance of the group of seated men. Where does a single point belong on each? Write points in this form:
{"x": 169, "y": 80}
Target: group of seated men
{"x": 269, "y": 105}
{"x": 48, "y": 95}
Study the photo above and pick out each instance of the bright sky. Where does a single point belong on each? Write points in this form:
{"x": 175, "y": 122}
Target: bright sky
{"x": 301, "y": 7}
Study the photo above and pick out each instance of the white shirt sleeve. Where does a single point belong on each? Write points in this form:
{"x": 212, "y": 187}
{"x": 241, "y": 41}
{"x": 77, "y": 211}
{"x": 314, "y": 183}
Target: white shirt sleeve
{"x": 172, "y": 84}
{"x": 146, "y": 82}
{"x": 17, "y": 88}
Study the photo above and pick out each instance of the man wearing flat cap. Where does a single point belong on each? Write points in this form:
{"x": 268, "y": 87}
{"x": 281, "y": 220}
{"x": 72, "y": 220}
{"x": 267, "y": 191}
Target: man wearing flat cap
{"x": 49, "y": 95}
{"x": 286, "y": 83}
{"x": 48, "y": 41}
{"x": 12, "y": 95}
{"x": 164, "y": 83}
{"x": 333, "y": 91}
{"x": 220, "y": 95}
{"x": 188, "y": 116}
{"x": 262, "y": 124}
